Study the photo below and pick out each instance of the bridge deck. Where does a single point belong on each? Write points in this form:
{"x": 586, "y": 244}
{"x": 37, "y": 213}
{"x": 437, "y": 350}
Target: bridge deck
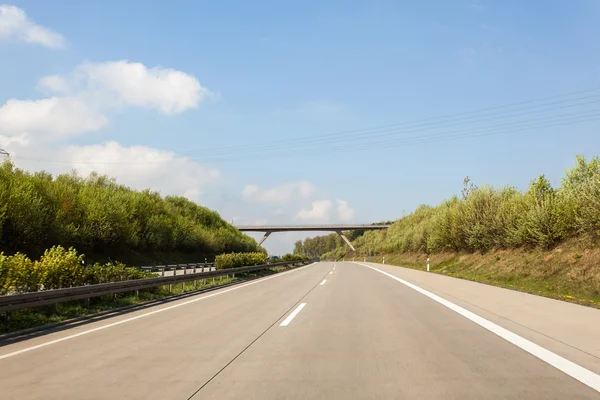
{"x": 305, "y": 228}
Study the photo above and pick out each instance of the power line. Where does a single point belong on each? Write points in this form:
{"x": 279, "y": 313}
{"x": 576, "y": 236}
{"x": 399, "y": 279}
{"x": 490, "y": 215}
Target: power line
{"x": 458, "y": 134}
{"x": 387, "y": 134}
{"x": 393, "y": 128}
{"x": 519, "y": 126}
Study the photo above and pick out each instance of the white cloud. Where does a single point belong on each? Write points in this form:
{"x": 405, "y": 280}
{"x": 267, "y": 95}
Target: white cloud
{"x": 84, "y": 98}
{"x": 281, "y": 194}
{"x": 14, "y": 24}
{"x": 139, "y": 167}
{"x": 47, "y": 119}
{"x": 319, "y": 212}
{"x": 143, "y": 167}
{"x": 167, "y": 90}
{"x": 249, "y": 191}
{"x": 7, "y": 141}
{"x": 54, "y": 83}
{"x": 344, "y": 211}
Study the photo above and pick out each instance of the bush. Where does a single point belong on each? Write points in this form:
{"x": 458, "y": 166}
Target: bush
{"x": 486, "y": 218}
{"x": 113, "y": 272}
{"x": 22, "y": 274}
{"x": 58, "y": 268}
{"x": 95, "y": 214}
{"x": 236, "y": 260}
{"x": 294, "y": 257}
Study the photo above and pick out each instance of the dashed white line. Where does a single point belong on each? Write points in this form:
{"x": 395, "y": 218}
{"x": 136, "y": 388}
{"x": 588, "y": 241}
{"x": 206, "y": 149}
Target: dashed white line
{"x": 324, "y": 280}
{"x": 290, "y": 317}
{"x": 38, "y": 346}
{"x": 331, "y": 273}
{"x": 583, "y": 375}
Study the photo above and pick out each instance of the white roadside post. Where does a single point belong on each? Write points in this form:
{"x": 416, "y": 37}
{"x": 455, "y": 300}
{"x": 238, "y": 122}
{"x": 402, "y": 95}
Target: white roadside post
{"x": 384, "y": 259}
{"x": 427, "y": 264}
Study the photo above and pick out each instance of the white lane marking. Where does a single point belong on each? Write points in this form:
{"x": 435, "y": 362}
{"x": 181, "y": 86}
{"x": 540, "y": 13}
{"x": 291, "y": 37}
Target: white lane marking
{"x": 583, "y": 375}
{"x": 290, "y": 317}
{"x": 331, "y": 273}
{"x": 38, "y": 346}
{"x": 324, "y": 280}
{"x": 333, "y": 265}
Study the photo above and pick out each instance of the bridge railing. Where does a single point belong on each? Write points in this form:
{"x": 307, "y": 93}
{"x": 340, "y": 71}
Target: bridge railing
{"x": 313, "y": 227}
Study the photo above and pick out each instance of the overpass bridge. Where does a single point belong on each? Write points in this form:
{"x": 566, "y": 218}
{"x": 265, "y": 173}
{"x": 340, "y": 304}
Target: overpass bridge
{"x": 268, "y": 229}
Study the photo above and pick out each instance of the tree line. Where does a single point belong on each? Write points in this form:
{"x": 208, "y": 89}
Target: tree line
{"x": 319, "y": 245}
{"x": 96, "y": 215}
{"x": 486, "y": 218}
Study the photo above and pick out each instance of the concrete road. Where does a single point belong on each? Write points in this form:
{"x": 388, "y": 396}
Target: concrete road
{"x": 327, "y": 331}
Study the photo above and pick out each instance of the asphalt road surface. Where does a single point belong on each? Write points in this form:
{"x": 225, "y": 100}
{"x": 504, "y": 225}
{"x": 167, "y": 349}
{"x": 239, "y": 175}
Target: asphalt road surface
{"x": 324, "y": 331}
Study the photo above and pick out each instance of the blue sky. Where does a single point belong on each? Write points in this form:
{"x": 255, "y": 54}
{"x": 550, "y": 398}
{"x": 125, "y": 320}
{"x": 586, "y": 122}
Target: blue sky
{"x": 156, "y": 94}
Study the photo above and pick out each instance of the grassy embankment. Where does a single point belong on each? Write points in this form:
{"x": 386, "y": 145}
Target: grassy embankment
{"x": 107, "y": 221}
{"x": 544, "y": 240}
{"x": 569, "y": 272}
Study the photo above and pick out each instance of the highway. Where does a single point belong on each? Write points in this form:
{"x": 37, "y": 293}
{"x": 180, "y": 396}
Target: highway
{"x": 324, "y": 331}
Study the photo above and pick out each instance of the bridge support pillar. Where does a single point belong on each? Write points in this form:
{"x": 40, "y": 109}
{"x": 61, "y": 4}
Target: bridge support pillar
{"x": 346, "y": 240}
{"x": 264, "y": 238}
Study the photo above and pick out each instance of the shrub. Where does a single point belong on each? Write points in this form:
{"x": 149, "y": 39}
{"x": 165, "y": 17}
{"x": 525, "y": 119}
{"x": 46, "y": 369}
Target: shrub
{"x": 485, "y": 218}
{"x": 95, "y": 214}
{"x": 294, "y": 257}
{"x": 58, "y": 268}
{"x": 21, "y": 275}
{"x": 236, "y": 260}
{"x": 113, "y": 272}
{"x": 3, "y": 274}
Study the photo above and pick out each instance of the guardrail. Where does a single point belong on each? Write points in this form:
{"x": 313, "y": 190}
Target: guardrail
{"x": 175, "y": 267}
{"x": 46, "y": 297}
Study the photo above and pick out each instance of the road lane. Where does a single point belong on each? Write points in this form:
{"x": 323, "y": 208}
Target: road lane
{"x": 360, "y": 335}
{"x": 569, "y": 330}
{"x": 366, "y": 336}
{"x": 164, "y": 355}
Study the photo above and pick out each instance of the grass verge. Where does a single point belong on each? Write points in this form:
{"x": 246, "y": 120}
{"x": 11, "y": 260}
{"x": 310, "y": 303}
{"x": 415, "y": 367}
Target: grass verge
{"x": 570, "y": 272}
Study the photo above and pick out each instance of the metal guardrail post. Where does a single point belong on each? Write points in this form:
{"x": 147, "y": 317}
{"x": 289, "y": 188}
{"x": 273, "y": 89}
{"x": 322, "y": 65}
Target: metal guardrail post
{"x": 195, "y": 281}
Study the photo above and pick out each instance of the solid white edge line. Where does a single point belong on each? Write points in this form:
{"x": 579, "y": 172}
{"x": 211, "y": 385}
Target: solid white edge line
{"x": 583, "y": 375}
{"x": 322, "y": 283}
{"x": 290, "y": 317}
{"x": 38, "y": 346}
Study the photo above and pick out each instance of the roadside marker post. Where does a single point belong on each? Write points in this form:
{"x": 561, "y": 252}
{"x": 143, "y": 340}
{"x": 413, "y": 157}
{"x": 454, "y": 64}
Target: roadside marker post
{"x": 384, "y": 259}
{"x": 427, "y": 264}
